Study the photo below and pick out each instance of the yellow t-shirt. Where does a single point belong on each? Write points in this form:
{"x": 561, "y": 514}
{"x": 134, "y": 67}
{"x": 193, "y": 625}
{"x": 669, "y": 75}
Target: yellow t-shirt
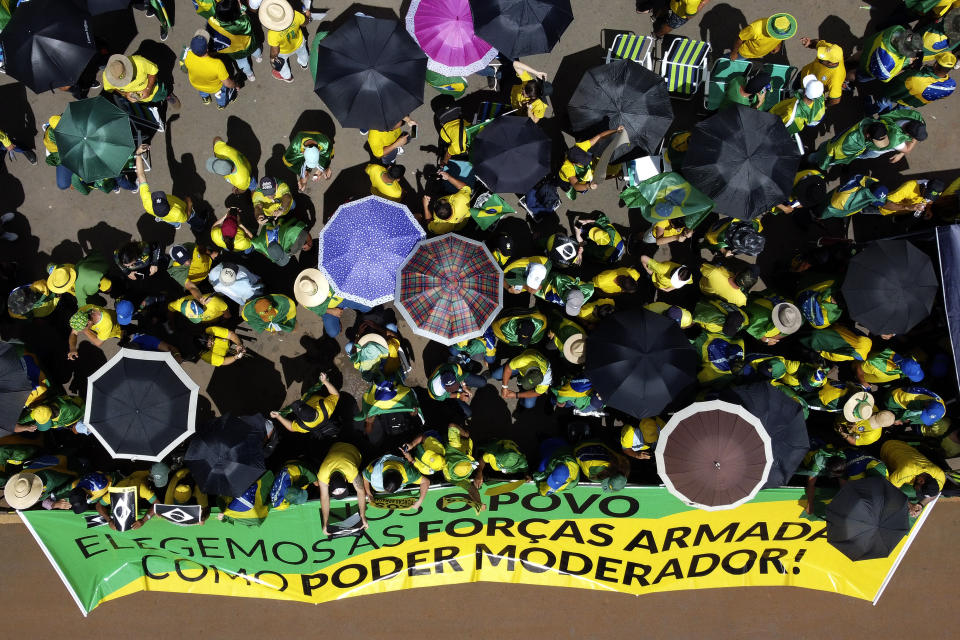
{"x": 377, "y": 140}
{"x": 136, "y": 479}
{"x": 240, "y": 178}
{"x": 343, "y": 458}
{"x": 460, "y": 203}
{"x": 453, "y": 133}
{"x": 324, "y": 406}
{"x": 667, "y": 230}
{"x": 756, "y": 42}
{"x": 568, "y": 169}
{"x": 539, "y": 107}
{"x": 685, "y": 8}
{"x": 865, "y": 434}
{"x": 221, "y": 346}
{"x": 213, "y": 309}
{"x": 272, "y": 204}
{"x": 206, "y": 73}
{"x": 661, "y": 273}
{"x": 5, "y": 140}
{"x": 532, "y": 359}
{"x": 380, "y": 188}
{"x": 716, "y": 282}
{"x": 832, "y": 78}
{"x": 107, "y": 327}
{"x": 48, "y": 141}
{"x": 905, "y": 463}
{"x": 241, "y": 242}
{"x": 291, "y": 38}
{"x": 178, "y": 208}
{"x": 906, "y": 194}
{"x": 142, "y": 68}
{"x": 606, "y": 280}
{"x": 588, "y": 308}
{"x": 940, "y": 9}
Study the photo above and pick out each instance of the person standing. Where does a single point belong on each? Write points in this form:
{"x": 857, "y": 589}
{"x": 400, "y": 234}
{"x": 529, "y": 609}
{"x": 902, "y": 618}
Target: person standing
{"x": 271, "y": 200}
{"x": 285, "y": 36}
{"x": 852, "y": 197}
{"x": 163, "y": 207}
{"x": 207, "y": 74}
{"x": 235, "y": 281}
{"x": 806, "y": 108}
{"x": 385, "y": 181}
{"x": 449, "y": 213}
{"x": 232, "y": 166}
{"x": 12, "y": 149}
{"x": 750, "y": 92}
{"x": 764, "y": 36}
{"x": 273, "y": 312}
{"x": 527, "y": 95}
{"x": 135, "y": 78}
{"x": 827, "y": 67}
{"x": 311, "y": 410}
{"x": 675, "y": 15}
{"x": 234, "y": 30}
{"x": 339, "y": 470}
{"x": 309, "y": 156}
{"x": 887, "y": 54}
{"x": 230, "y": 234}
{"x": 387, "y": 145}
{"x": 923, "y": 86}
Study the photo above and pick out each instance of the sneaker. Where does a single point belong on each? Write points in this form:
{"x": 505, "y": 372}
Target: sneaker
{"x": 149, "y": 12}
{"x": 164, "y": 32}
{"x": 205, "y": 99}
{"x": 175, "y": 225}
{"x": 304, "y": 66}
{"x": 251, "y": 77}
{"x": 258, "y": 59}
{"x": 174, "y": 102}
{"x": 276, "y": 74}
{"x": 399, "y": 151}
{"x": 491, "y": 82}
{"x": 7, "y": 217}
{"x": 96, "y": 85}
{"x": 30, "y": 156}
{"x": 117, "y": 189}
{"x": 364, "y": 132}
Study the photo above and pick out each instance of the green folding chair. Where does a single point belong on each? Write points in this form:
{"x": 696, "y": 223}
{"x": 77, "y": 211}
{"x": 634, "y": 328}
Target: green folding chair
{"x": 781, "y": 83}
{"x": 684, "y": 67}
{"x": 630, "y": 46}
{"x": 723, "y": 70}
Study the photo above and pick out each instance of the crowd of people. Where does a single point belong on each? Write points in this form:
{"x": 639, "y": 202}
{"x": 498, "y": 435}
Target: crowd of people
{"x": 875, "y": 404}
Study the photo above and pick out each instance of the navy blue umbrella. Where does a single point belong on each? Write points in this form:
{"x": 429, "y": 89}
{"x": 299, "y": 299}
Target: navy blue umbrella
{"x": 15, "y": 386}
{"x": 225, "y": 456}
{"x": 867, "y": 519}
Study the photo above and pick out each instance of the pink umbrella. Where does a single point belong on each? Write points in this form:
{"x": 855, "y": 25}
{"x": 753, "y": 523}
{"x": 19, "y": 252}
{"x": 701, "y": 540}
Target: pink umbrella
{"x": 444, "y": 30}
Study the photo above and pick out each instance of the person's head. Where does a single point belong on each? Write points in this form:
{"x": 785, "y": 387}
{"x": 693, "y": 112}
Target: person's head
{"x": 159, "y": 474}
{"x": 932, "y": 412}
{"x": 579, "y": 156}
{"x": 22, "y": 299}
{"x": 130, "y": 253}
{"x": 441, "y": 209}
{"x": 179, "y": 254}
{"x": 926, "y": 486}
{"x": 275, "y": 15}
{"x": 79, "y": 321}
{"x": 934, "y": 188}
{"x": 829, "y": 55}
{"x": 880, "y": 192}
{"x": 199, "y": 42}
{"x": 781, "y": 26}
{"x": 265, "y": 309}
{"x": 392, "y": 481}
{"x": 916, "y": 130}
{"x": 811, "y": 191}
{"x": 339, "y": 487}
{"x": 602, "y": 311}
{"x": 563, "y": 249}
{"x": 731, "y": 324}
{"x": 746, "y": 278}
{"x": 532, "y": 90}
{"x": 448, "y": 380}
{"x": 267, "y": 186}
{"x": 304, "y": 413}
{"x": 812, "y": 87}
{"x": 525, "y": 331}
{"x": 228, "y": 273}
{"x": 311, "y": 156}
{"x": 220, "y": 166}
{"x": 227, "y": 10}
{"x": 910, "y": 368}
{"x": 395, "y": 172}
{"x": 504, "y": 244}
{"x": 907, "y": 43}
{"x": 680, "y": 277}
{"x": 229, "y": 228}
{"x": 757, "y": 83}
{"x": 125, "y": 312}
{"x": 945, "y": 63}
{"x": 628, "y": 284}
{"x": 573, "y": 302}
{"x": 876, "y": 132}
{"x": 119, "y": 70}
{"x": 836, "y": 467}
{"x": 531, "y": 379}
{"x": 78, "y": 500}
{"x": 536, "y": 273}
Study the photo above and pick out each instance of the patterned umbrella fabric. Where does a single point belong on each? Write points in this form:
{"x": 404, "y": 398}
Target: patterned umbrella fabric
{"x": 450, "y": 289}
{"x": 444, "y": 30}
{"x": 363, "y": 246}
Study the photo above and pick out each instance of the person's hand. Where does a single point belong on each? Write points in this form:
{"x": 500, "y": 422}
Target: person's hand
{"x": 261, "y": 218}
{"x": 415, "y": 505}
{"x": 733, "y": 55}
{"x": 897, "y": 157}
{"x": 132, "y": 275}
{"x": 274, "y": 414}
{"x": 404, "y": 139}
{"x": 273, "y": 61}
{"x": 306, "y": 14}
{"x": 412, "y": 122}
{"x": 621, "y": 128}
{"x": 593, "y": 186}
{"x": 323, "y": 378}
{"x": 478, "y": 481}
{"x": 62, "y": 503}
{"x": 542, "y": 75}
{"x": 914, "y": 509}
{"x": 363, "y": 521}
{"x": 301, "y": 184}
{"x": 809, "y": 507}
{"x": 444, "y": 175}
{"x": 805, "y": 42}
{"x": 643, "y": 455}
{"x": 20, "y": 428}
{"x": 142, "y": 149}
{"x": 153, "y": 269}
{"x": 73, "y": 355}
{"x": 504, "y": 392}
{"x": 465, "y": 394}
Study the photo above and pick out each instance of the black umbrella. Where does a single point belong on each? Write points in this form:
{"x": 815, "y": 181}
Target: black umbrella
{"x": 370, "y": 73}
{"x": 141, "y": 404}
{"x": 890, "y": 286}
{"x": 867, "y": 519}
{"x": 510, "y": 155}
{"x": 782, "y": 418}
{"x": 743, "y": 159}
{"x": 96, "y": 7}
{"x": 226, "y": 456}
{"x": 640, "y": 361}
{"x": 47, "y": 44}
{"x": 15, "y": 386}
{"x": 623, "y": 92}
{"x": 521, "y": 27}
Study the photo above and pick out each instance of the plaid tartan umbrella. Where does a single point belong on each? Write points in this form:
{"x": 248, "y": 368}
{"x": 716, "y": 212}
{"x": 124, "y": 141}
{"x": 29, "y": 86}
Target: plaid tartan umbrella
{"x": 449, "y": 289}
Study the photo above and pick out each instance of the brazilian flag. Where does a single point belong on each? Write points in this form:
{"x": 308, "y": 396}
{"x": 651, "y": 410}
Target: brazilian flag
{"x": 488, "y": 209}
{"x": 454, "y": 86}
{"x": 253, "y": 507}
{"x": 668, "y": 195}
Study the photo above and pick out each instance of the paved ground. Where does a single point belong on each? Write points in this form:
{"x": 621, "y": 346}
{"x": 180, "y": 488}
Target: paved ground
{"x": 60, "y": 226}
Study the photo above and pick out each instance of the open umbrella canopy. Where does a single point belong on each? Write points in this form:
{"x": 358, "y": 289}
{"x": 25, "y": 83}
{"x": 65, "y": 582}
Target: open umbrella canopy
{"x": 640, "y": 361}
{"x": 622, "y": 92}
{"x": 94, "y": 138}
{"x": 890, "y": 286}
{"x": 47, "y": 44}
{"x": 510, "y": 155}
{"x": 521, "y": 27}
{"x": 370, "y": 73}
{"x": 714, "y": 455}
{"x": 743, "y": 159}
{"x": 363, "y": 246}
{"x": 141, "y": 404}
{"x": 444, "y": 30}
{"x": 782, "y": 418}
{"x": 225, "y": 457}
{"x": 450, "y": 289}
{"x": 96, "y": 7}
{"x": 867, "y": 519}
{"x": 15, "y": 386}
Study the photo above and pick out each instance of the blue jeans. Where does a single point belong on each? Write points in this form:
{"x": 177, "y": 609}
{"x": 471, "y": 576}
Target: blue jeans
{"x": 389, "y": 158}
{"x": 331, "y": 323}
{"x": 64, "y": 177}
{"x": 224, "y": 98}
{"x": 463, "y": 357}
{"x": 474, "y": 381}
{"x": 124, "y": 183}
{"x": 528, "y": 403}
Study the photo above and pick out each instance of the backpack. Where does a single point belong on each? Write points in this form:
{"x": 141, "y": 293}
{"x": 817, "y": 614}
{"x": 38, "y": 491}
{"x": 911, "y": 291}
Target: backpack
{"x": 743, "y": 238}
{"x": 542, "y": 199}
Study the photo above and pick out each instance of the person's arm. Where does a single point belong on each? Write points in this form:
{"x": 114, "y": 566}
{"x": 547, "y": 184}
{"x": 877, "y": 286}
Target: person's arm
{"x": 194, "y": 291}
{"x": 645, "y": 263}
{"x": 399, "y": 142}
{"x": 138, "y": 163}
{"x": 151, "y": 83}
{"x": 287, "y": 424}
{"x": 187, "y": 204}
{"x": 811, "y": 493}
{"x": 478, "y": 476}
{"x": 274, "y": 52}
{"x": 361, "y": 500}
{"x": 368, "y": 425}
{"x": 229, "y": 83}
{"x": 507, "y": 374}
{"x": 72, "y": 353}
{"x": 285, "y": 202}
{"x": 735, "y": 51}
{"x": 325, "y": 505}
{"x": 809, "y": 43}
{"x": 457, "y": 184}
{"x": 426, "y": 208}
{"x": 639, "y": 455}
{"x": 424, "y": 485}
{"x": 532, "y": 393}
{"x": 785, "y": 208}
{"x": 413, "y": 443}
{"x": 92, "y": 337}
{"x": 901, "y": 207}
{"x": 907, "y": 148}
{"x": 327, "y": 385}
{"x": 605, "y": 134}
{"x": 367, "y": 490}
{"x": 520, "y": 67}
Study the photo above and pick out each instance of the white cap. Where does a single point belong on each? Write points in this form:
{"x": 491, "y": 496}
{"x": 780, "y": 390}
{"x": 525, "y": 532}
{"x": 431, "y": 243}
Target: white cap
{"x": 676, "y": 281}
{"x": 812, "y": 88}
{"x": 536, "y": 272}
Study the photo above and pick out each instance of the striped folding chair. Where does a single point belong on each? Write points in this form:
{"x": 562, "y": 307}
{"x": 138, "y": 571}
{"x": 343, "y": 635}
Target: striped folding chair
{"x": 630, "y": 46}
{"x": 781, "y": 81}
{"x": 684, "y": 67}
{"x": 721, "y": 72}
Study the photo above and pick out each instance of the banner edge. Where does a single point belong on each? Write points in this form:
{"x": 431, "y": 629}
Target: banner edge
{"x": 56, "y": 567}
{"x": 903, "y": 552}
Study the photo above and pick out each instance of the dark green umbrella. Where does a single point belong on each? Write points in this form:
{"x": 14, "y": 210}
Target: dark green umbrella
{"x": 94, "y": 138}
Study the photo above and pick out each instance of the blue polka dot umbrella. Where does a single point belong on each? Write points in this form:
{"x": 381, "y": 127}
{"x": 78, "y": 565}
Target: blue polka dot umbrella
{"x": 450, "y": 289}
{"x": 363, "y": 246}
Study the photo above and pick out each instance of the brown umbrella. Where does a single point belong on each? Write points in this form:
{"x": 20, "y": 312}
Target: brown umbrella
{"x": 714, "y": 455}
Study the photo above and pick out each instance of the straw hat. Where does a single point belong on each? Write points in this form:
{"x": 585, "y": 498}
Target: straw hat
{"x": 119, "y": 70}
{"x": 786, "y": 318}
{"x": 376, "y": 338}
{"x": 275, "y": 15}
{"x": 574, "y": 348}
{"x": 62, "y": 278}
{"x": 311, "y": 288}
{"x": 23, "y": 490}
{"x": 858, "y": 407}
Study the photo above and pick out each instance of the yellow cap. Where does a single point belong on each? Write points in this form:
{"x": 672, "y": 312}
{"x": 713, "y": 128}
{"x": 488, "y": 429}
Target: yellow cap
{"x": 781, "y": 23}
{"x": 462, "y": 469}
{"x": 105, "y": 284}
{"x": 829, "y": 52}
{"x": 947, "y": 60}
{"x": 42, "y": 414}
{"x": 182, "y": 493}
